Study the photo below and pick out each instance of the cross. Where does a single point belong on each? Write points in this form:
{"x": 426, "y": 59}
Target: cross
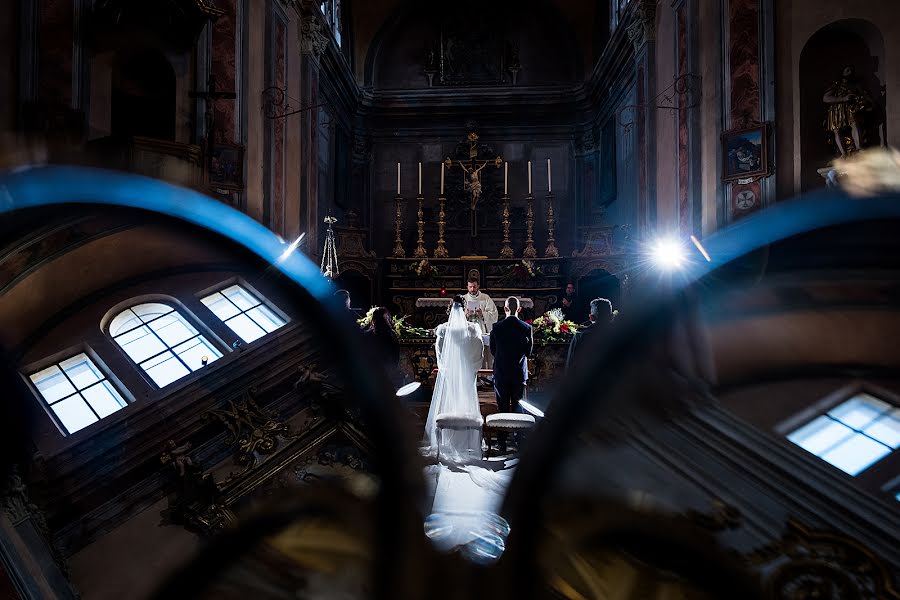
{"x": 209, "y": 97}
{"x": 471, "y": 169}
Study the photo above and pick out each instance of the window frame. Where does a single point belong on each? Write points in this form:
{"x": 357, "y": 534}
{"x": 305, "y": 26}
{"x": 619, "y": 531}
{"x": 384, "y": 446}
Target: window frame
{"x": 186, "y": 314}
{"x": 26, "y": 371}
{"x": 871, "y": 477}
{"x": 263, "y": 301}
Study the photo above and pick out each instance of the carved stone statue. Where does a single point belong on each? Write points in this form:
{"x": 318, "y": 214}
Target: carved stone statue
{"x": 849, "y": 105}
{"x": 178, "y": 456}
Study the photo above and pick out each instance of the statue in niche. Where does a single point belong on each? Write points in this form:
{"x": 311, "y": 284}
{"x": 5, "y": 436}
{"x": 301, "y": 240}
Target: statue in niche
{"x": 850, "y": 107}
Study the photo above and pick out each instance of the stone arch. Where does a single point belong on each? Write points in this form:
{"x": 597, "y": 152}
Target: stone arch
{"x": 855, "y": 42}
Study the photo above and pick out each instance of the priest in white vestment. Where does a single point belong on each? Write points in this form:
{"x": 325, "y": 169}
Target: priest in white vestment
{"x": 484, "y": 313}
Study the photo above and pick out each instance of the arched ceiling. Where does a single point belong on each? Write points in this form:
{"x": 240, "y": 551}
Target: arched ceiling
{"x": 369, "y": 16}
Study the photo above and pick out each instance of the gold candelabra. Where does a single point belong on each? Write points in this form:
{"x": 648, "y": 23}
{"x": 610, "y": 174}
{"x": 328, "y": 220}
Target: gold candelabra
{"x": 399, "y": 252}
{"x": 551, "y": 251}
{"x": 420, "y": 244}
{"x": 530, "y": 251}
{"x": 441, "y": 251}
{"x": 506, "y": 251}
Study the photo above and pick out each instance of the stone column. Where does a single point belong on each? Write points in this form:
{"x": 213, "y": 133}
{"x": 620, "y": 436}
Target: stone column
{"x": 641, "y": 29}
{"x": 313, "y": 40}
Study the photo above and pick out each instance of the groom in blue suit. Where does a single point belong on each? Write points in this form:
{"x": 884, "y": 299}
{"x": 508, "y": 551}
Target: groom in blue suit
{"x": 511, "y": 344}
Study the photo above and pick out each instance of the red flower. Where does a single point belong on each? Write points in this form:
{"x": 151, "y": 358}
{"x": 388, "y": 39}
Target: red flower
{"x": 528, "y": 321}
{"x": 564, "y": 328}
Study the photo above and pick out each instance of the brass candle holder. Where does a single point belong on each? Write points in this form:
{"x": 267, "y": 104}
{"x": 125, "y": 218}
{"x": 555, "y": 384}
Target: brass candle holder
{"x": 441, "y": 251}
{"x": 551, "y": 251}
{"x": 420, "y": 244}
{"x": 530, "y": 251}
{"x": 506, "y": 251}
{"x": 399, "y": 252}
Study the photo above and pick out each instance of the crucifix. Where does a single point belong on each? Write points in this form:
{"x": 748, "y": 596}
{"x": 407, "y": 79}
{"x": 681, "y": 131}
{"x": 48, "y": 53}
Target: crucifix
{"x": 471, "y": 169}
{"x": 209, "y": 97}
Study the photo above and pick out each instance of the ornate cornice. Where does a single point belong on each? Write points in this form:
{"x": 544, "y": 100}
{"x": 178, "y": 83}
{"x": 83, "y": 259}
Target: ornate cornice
{"x": 314, "y": 35}
{"x": 642, "y": 28}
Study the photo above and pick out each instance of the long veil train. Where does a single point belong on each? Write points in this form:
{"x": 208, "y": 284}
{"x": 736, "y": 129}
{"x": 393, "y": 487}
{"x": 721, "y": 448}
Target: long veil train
{"x": 459, "y": 353}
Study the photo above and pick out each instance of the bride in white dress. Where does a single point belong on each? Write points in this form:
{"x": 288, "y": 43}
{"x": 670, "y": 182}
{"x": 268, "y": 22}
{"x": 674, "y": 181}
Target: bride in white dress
{"x": 459, "y": 350}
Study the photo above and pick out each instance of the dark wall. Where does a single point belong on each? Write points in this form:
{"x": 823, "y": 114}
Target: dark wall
{"x": 9, "y": 34}
{"x": 475, "y": 43}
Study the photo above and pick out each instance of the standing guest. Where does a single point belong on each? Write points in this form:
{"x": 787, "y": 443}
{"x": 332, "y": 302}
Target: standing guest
{"x": 511, "y": 343}
{"x": 342, "y": 298}
{"x": 602, "y": 316}
{"x": 568, "y": 303}
{"x": 385, "y": 342}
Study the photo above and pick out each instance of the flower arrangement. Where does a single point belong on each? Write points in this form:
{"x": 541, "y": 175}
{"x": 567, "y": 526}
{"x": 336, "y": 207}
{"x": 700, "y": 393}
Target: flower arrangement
{"x": 401, "y": 327}
{"x": 551, "y": 327}
{"x": 423, "y": 268}
{"x": 405, "y": 330}
{"x": 521, "y": 271}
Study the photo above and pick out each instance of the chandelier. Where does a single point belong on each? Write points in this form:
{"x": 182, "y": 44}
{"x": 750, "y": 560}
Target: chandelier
{"x": 329, "y": 255}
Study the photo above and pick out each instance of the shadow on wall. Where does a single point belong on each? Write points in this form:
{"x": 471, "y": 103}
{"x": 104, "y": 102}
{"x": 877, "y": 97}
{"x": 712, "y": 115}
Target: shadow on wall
{"x": 851, "y": 42}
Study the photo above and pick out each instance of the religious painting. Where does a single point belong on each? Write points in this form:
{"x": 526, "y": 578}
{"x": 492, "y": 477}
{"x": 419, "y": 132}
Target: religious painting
{"x": 227, "y": 168}
{"x": 472, "y": 47}
{"x": 745, "y": 152}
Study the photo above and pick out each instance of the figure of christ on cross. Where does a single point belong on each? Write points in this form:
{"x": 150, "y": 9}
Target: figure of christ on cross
{"x": 209, "y": 97}
{"x": 472, "y": 181}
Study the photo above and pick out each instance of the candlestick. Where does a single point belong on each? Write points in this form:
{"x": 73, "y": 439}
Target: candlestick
{"x": 551, "y": 251}
{"x": 506, "y": 251}
{"x": 441, "y": 251}
{"x": 442, "y": 179}
{"x": 399, "y": 252}
{"x": 420, "y": 243}
{"x": 398, "y": 179}
{"x": 420, "y": 179}
{"x": 549, "y": 186}
{"x": 529, "y": 177}
{"x": 530, "y": 251}
{"x": 505, "y": 178}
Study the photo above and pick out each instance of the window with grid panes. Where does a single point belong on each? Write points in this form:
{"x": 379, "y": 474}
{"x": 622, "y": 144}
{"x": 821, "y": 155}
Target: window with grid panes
{"x": 243, "y": 312}
{"x": 162, "y": 342}
{"x": 853, "y": 435}
{"x": 77, "y": 392}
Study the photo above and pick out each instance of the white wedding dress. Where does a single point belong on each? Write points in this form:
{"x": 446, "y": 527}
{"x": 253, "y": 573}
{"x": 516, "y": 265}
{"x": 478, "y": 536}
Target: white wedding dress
{"x": 459, "y": 352}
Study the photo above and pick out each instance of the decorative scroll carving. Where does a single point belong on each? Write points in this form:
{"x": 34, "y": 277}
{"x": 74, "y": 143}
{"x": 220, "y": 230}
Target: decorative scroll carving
{"x": 16, "y": 503}
{"x": 806, "y": 564}
{"x": 314, "y": 34}
{"x": 197, "y": 503}
{"x": 598, "y": 242}
{"x": 251, "y": 429}
{"x": 642, "y": 28}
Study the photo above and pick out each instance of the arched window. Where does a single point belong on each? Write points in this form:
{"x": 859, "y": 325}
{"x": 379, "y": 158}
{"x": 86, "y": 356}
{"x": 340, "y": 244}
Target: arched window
{"x": 161, "y": 342}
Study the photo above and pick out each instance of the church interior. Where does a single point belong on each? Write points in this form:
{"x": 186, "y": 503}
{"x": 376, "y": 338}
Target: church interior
{"x": 245, "y": 246}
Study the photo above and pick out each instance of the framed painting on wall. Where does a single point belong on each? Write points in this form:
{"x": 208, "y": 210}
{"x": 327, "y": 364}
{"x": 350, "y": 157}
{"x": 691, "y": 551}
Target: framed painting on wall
{"x": 745, "y": 152}
{"x": 227, "y": 169}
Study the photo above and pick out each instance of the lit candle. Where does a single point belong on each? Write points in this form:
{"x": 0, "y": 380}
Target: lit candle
{"x": 505, "y": 179}
{"x": 442, "y": 179}
{"x": 529, "y": 177}
{"x": 398, "y": 179}
{"x": 549, "y": 186}
{"x": 420, "y": 179}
